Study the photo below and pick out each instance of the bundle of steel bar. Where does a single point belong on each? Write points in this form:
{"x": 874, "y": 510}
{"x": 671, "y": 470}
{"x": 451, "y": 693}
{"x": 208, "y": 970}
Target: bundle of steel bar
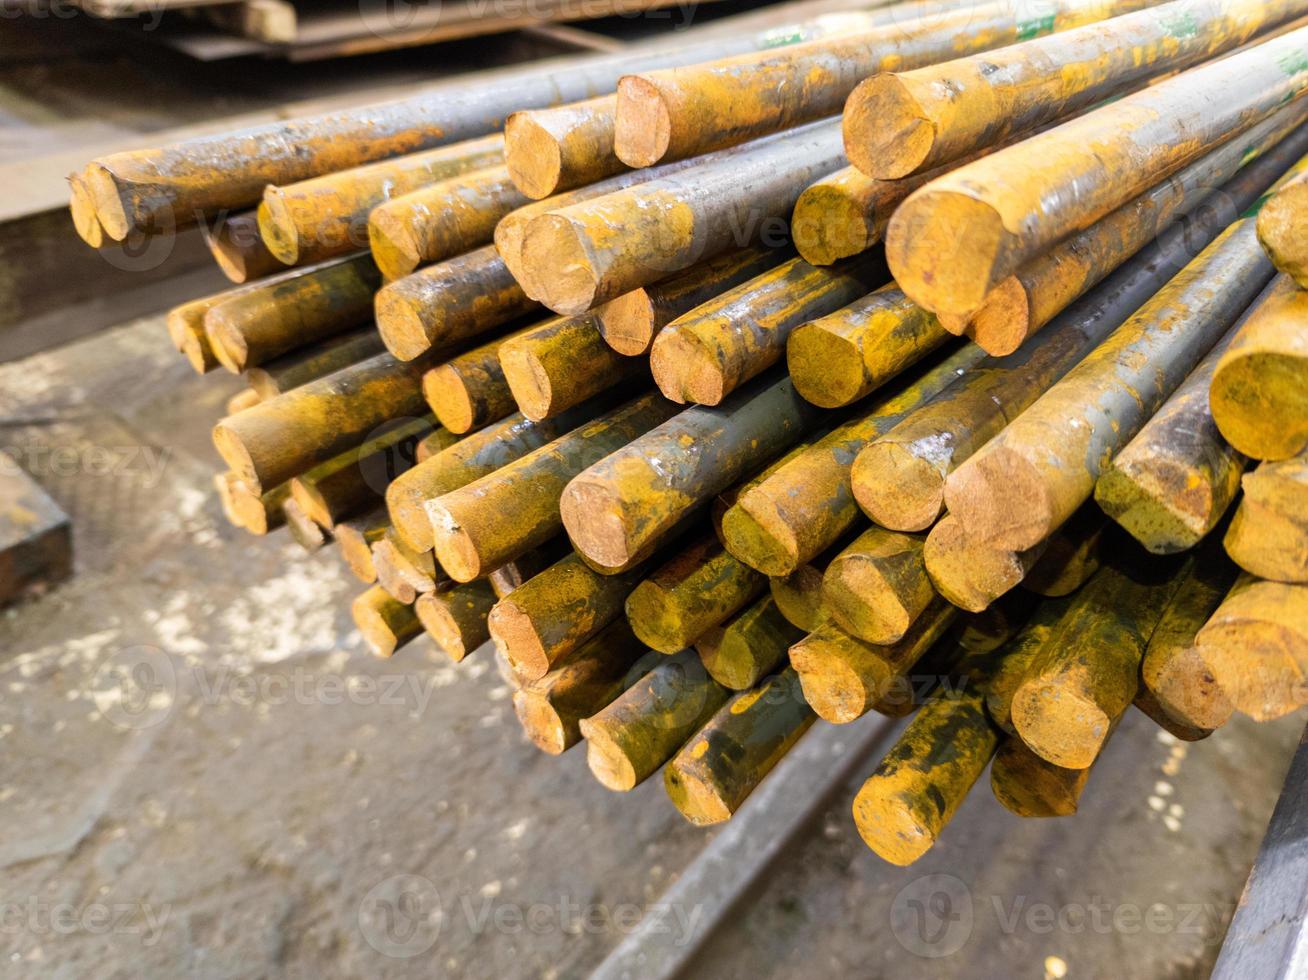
{"x": 604, "y": 364}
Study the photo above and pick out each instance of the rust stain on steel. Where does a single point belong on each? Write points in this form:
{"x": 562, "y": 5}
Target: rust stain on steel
{"x": 748, "y": 646}
{"x": 580, "y": 256}
{"x": 724, "y": 761}
{"x": 903, "y": 807}
{"x": 1027, "y": 300}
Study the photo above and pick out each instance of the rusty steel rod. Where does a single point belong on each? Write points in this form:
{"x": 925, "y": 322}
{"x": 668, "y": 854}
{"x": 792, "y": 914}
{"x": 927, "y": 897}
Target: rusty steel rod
{"x": 1268, "y": 535}
{"x": 707, "y": 353}
{"x": 620, "y": 508}
{"x": 1030, "y": 478}
{"x": 679, "y": 112}
{"x": 951, "y": 242}
{"x": 669, "y": 224}
{"x": 901, "y": 122}
{"x": 440, "y": 220}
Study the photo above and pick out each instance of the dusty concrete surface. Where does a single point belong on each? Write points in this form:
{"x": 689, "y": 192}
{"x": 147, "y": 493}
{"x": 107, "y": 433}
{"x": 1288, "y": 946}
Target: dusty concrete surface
{"x": 203, "y": 774}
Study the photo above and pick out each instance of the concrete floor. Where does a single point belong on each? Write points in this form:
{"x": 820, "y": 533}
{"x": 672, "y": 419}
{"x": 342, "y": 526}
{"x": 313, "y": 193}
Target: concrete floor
{"x": 203, "y": 773}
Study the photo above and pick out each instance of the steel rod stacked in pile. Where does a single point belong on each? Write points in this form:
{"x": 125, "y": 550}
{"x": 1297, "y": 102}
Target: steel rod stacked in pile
{"x": 987, "y": 475}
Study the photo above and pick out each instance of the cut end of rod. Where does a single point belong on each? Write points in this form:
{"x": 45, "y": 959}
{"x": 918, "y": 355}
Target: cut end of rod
{"x": 593, "y": 516}
{"x": 944, "y": 249}
{"x": 199, "y": 353}
{"x": 277, "y": 226}
{"x": 1166, "y": 508}
{"x": 391, "y": 241}
{"x": 608, "y": 763}
{"x": 540, "y": 722}
{"x": 1000, "y": 500}
{"x": 1281, "y": 231}
{"x": 832, "y": 688}
{"x": 357, "y": 554}
{"x": 449, "y": 399}
{"x": 627, "y": 323}
{"x": 1250, "y": 389}
{"x": 969, "y": 575}
{"x": 643, "y": 125}
{"x": 441, "y": 626}
{"x": 401, "y": 325}
{"x": 685, "y": 370}
{"x": 82, "y": 207}
{"x": 1028, "y": 786}
{"x": 558, "y": 270}
{"x": 1060, "y": 725}
{"x": 109, "y": 208}
{"x": 864, "y": 602}
{"x": 515, "y": 635}
{"x": 897, "y": 489}
{"x": 248, "y": 508}
{"x": 455, "y": 549}
{"x": 888, "y": 825}
{"x": 312, "y": 502}
{"x": 226, "y": 341}
{"x": 532, "y": 155}
{"x": 1186, "y": 689}
{"x": 827, "y": 369}
{"x": 827, "y": 226}
{"x": 1003, "y": 322}
{"x": 372, "y": 625}
{"x": 405, "y": 506}
{"x": 887, "y": 134}
{"x": 231, "y": 448}
{"x": 528, "y": 381}
{"x": 758, "y": 545}
{"x": 697, "y": 799}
